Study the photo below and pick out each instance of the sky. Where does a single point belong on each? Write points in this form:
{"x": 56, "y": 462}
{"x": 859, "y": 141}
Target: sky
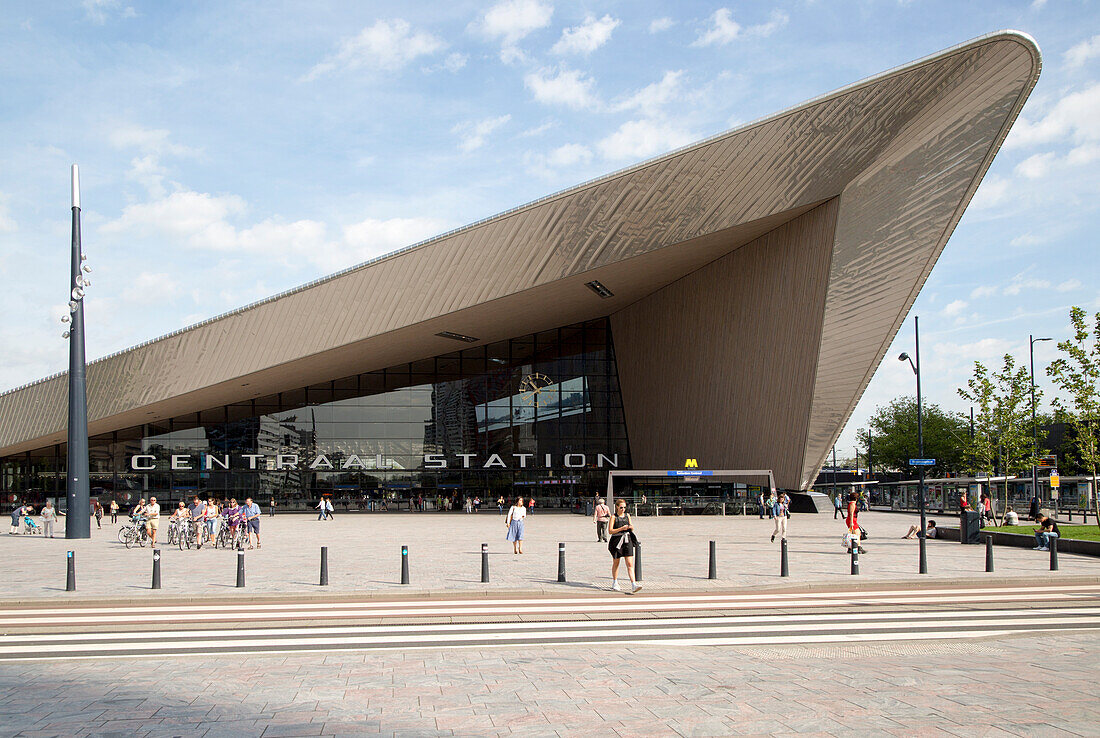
{"x": 233, "y": 150}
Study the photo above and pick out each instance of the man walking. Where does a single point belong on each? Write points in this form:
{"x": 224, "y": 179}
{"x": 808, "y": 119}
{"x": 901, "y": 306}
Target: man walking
{"x": 198, "y": 518}
{"x": 152, "y": 519}
{"x": 836, "y": 506}
{"x": 760, "y": 503}
{"x": 782, "y": 505}
{"x": 49, "y": 517}
{"x": 602, "y": 516}
{"x": 252, "y": 520}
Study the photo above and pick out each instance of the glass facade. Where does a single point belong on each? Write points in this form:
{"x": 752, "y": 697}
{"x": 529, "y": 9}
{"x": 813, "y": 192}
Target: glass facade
{"x": 536, "y": 415}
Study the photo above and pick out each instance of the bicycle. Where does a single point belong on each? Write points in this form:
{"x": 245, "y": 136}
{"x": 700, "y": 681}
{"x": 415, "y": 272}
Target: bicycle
{"x": 126, "y": 532}
{"x": 136, "y": 534}
{"x": 188, "y": 535}
{"x": 173, "y": 531}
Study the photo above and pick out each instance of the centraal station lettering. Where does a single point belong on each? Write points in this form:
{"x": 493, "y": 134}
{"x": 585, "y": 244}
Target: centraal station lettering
{"x": 322, "y": 462}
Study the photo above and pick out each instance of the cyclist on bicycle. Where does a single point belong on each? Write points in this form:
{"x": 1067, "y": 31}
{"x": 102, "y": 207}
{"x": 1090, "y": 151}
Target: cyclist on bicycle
{"x": 152, "y": 519}
{"x": 198, "y": 513}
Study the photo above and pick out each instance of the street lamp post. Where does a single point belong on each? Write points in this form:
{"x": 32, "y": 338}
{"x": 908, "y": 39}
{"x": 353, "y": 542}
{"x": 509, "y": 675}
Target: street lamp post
{"x": 78, "y": 522}
{"x": 921, "y": 542}
{"x": 1031, "y": 341}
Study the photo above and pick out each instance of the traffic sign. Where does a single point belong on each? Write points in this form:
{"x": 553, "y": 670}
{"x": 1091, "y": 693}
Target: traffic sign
{"x": 1055, "y": 481}
{"x": 922, "y": 462}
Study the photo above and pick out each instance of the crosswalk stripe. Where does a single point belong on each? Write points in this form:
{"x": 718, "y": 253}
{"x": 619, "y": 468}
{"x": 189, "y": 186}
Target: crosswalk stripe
{"x": 800, "y": 597}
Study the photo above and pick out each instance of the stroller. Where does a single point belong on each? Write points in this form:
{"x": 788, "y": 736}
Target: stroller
{"x": 29, "y": 526}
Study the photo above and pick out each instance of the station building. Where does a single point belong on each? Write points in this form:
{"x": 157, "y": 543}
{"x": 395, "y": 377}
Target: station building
{"x": 726, "y": 302}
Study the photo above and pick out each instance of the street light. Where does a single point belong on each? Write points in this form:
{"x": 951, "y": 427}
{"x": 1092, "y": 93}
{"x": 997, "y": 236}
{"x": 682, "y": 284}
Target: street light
{"x": 1031, "y": 341}
{"x": 78, "y": 520}
{"x": 923, "y": 566}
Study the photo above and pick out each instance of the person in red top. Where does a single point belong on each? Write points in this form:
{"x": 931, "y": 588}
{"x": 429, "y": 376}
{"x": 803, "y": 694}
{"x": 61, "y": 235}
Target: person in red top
{"x": 853, "y": 519}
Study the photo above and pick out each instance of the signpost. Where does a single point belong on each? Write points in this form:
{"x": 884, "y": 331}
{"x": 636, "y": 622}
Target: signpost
{"x": 922, "y": 462}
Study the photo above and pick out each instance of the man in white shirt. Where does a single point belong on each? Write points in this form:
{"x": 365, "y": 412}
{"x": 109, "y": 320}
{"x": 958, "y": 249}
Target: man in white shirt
{"x": 152, "y": 514}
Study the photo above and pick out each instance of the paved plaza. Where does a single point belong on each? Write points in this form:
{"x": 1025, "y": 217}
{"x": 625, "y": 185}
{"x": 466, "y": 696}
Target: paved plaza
{"x": 445, "y": 555}
{"x": 1039, "y": 686}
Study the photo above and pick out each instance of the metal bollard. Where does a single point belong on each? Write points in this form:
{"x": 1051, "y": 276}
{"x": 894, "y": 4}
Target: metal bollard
{"x": 637, "y": 562}
{"x": 922, "y": 544}
{"x": 561, "y": 562}
{"x": 240, "y": 568}
{"x": 404, "y": 564}
{"x": 989, "y": 553}
{"x": 784, "y": 570}
{"x": 855, "y": 560}
{"x": 1053, "y": 553}
{"x": 70, "y": 573}
{"x": 156, "y": 568}
{"x": 484, "y": 562}
{"x": 324, "y": 566}
{"x": 712, "y": 573}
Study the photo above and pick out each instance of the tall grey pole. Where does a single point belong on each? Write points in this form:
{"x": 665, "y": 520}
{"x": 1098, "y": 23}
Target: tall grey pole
{"x": 78, "y": 522}
{"x": 1034, "y": 430}
{"x": 920, "y": 445}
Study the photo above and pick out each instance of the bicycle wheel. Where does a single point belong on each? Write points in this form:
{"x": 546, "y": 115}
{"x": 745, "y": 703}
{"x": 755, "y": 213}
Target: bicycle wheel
{"x": 122, "y": 533}
{"x": 182, "y": 539}
{"x": 142, "y": 537}
{"x": 131, "y": 538}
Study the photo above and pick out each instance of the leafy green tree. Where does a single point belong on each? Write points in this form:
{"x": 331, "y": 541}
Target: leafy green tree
{"x": 893, "y": 437}
{"x": 1077, "y": 374}
{"x": 1002, "y": 424}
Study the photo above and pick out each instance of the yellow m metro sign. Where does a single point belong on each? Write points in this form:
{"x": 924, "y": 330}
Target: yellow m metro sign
{"x": 691, "y": 464}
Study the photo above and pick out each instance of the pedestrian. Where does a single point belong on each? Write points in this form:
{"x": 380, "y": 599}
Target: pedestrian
{"x": 836, "y": 506}
{"x": 602, "y": 516}
{"x": 252, "y": 520}
{"x": 987, "y": 507}
{"x": 321, "y": 507}
{"x": 468, "y": 505}
{"x": 97, "y": 511}
{"x": 760, "y": 503}
{"x": 211, "y": 517}
{"x": 1034, "y": 512}
{"x": 16, "y": 519}
{"x": 621, "y": 547}
{"x": 49, "y": 517}
{"x": 771, "y": 504}
{"x": 152, "y": 519}
{"x": 853, "y": 521}
{"x": 514, "y": 522}
{"x": 530, "y": 504}
{"x": 328, "y": 510}
{"x": 781, "y": 512}
{"x": 271, "y": 507}
{"x": 114, "y": 511}
{"x": 198, "y": 516}
{"x": 477, "y": 503}
{"x": 500, "y": 504}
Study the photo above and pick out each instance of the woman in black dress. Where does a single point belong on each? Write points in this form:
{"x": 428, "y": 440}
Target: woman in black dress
{"x": 621, "y": 546}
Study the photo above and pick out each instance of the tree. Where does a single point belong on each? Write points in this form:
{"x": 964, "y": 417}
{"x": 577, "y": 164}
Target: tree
{"x": 1077, "y": 374}
{"x": 1002, "y": 424}
{"x": 893, "y": 428}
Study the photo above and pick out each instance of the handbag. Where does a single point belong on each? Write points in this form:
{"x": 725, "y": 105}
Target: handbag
{"x": 862, "y": 533}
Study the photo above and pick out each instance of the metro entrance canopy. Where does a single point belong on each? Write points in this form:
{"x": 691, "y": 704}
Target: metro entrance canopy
{"x": 727, "y": 301}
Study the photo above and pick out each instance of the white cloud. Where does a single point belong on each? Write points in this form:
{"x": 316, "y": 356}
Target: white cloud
{"x": 147, "y": 140}
{"x": 955, "y": 307}
{"x": 562, "y": 87}
{"x": 991, "y": 192}
{"x": 387, "y": 45}
{"x": 1069, "y": 285}
{"x": 99, "y": 11}
{"x": 587, "y": 37}
{"x": 1072, "y": 118}
{"x": 661, "y": 24}
{"x": 569, "y": 155}
{"x": 1036, "y": 165}
{"x": 651, "y": 98}
{"x": 207, "y": 223}
{"x": 1038, "y": 4}
{"x": 1021, "y": 283}
{"x": 539, "y": 129}
{"x": 985, "y": 290}
{"x": 473, "y": 133}
{"x": 1079, "y": 54}
{"x": 148, "y": 172}
{"x": 511, "y": 21}
{"x": 455, "y": 61}
{"x": 148, "y": 287}
{"x": 724, "y": 29}
{"x": 639, "y": 139}
{"x": 7, "y": 223}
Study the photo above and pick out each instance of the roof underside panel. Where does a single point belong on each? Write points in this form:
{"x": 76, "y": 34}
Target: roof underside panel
{"x": 911, "y": 143}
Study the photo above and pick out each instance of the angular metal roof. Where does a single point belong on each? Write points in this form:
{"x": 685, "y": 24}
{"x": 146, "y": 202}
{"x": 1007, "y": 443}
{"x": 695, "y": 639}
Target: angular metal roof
{"x": 902, "y": 153}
